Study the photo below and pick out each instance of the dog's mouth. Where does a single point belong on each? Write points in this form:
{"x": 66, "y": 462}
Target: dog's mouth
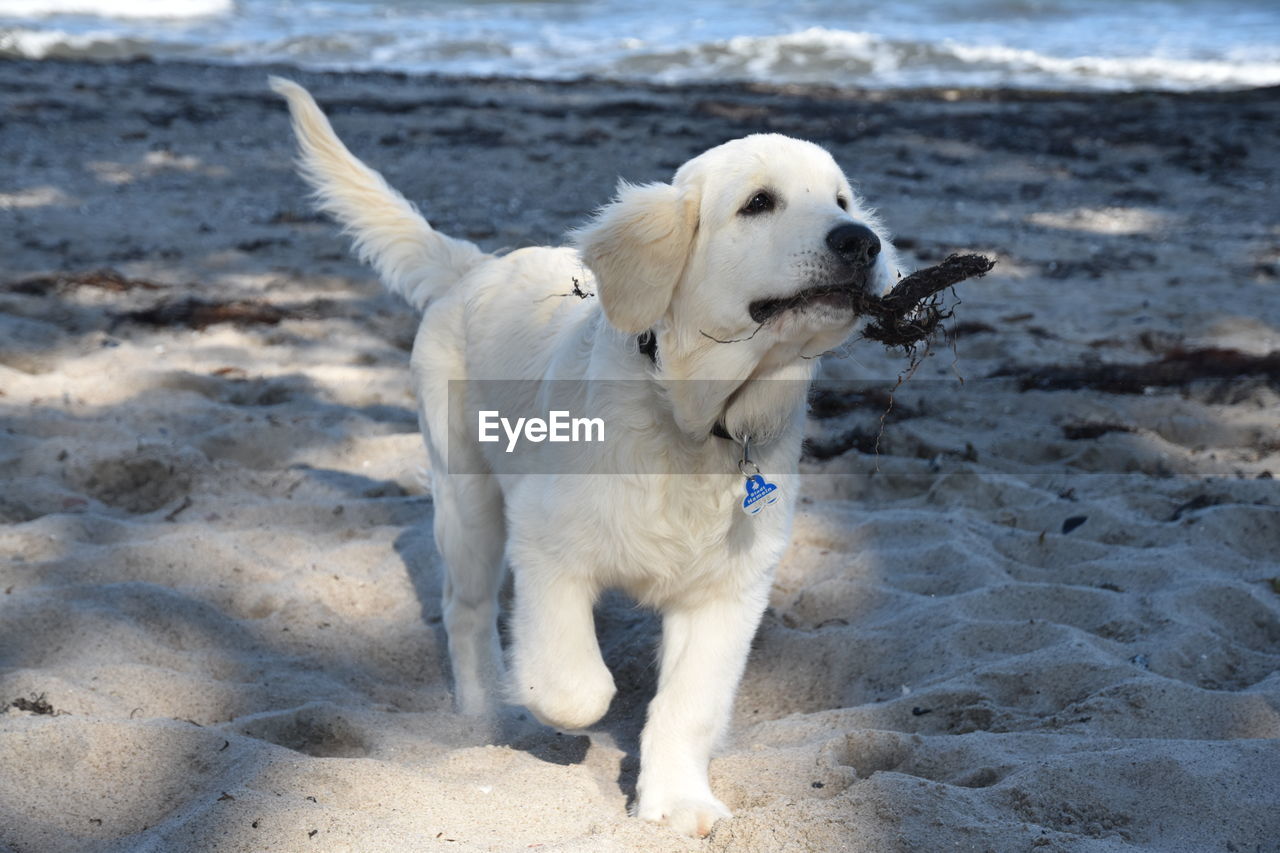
{"x": 849, "y": 296}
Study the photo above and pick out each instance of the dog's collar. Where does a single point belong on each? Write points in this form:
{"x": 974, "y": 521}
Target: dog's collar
{"x": 647, "y": 344}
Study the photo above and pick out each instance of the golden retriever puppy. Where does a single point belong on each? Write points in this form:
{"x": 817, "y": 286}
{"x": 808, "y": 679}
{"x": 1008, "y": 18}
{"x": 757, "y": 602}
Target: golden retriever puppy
{"x": 711, "y": 288}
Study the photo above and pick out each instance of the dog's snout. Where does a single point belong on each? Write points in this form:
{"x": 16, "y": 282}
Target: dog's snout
{"x": 856, "y": 244}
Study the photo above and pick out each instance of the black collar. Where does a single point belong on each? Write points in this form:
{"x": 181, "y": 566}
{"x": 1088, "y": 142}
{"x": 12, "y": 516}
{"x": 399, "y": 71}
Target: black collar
{"x": 647, "y": 344}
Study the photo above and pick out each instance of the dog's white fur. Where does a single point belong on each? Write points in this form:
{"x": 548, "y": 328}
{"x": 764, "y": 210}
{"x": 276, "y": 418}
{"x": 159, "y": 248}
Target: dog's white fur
{"x": 676, "y": 258}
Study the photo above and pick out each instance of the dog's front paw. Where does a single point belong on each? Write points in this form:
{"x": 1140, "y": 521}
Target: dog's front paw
{"x": 568, "y": 697}
{"x": 693, "y": 816}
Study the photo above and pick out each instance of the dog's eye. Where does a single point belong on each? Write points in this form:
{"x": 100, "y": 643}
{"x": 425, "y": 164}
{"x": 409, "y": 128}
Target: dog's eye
{"x": 761, "y": 202}
{"x": 842, "y": 202}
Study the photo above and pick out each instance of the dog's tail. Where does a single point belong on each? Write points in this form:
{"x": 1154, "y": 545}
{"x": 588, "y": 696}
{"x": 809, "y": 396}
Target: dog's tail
{"x": 412, "y": 259}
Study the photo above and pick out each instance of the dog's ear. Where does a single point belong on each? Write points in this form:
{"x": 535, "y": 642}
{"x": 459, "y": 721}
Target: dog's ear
{"x": 637, "y": 246}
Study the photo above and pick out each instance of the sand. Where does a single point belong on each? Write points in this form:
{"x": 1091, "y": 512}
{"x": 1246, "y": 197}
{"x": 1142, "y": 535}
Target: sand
{"x": 1028, "y": 620}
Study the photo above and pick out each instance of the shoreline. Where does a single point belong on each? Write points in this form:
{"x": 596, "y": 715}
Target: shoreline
{"x": 813, "y": 90}
{"x": 1033, "y": 609}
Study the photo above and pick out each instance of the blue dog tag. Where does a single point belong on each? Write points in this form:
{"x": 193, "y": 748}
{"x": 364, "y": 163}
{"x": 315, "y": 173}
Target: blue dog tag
{"x": 760, "y": 493}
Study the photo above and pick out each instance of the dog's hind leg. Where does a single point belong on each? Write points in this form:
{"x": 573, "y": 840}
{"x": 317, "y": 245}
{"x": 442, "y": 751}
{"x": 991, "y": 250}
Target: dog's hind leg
{"x": 470, "y": 533}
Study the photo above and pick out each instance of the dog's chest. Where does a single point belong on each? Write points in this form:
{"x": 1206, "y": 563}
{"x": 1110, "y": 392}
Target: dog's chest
{"x": 663, "y": 538}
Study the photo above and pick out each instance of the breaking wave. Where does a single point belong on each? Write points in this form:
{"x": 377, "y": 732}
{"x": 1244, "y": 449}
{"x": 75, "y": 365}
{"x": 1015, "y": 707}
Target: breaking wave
{"x": 1159, "y": 44}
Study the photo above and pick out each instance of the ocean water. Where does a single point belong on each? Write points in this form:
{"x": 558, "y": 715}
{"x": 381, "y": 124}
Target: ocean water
{"x": 1058, "y": 44}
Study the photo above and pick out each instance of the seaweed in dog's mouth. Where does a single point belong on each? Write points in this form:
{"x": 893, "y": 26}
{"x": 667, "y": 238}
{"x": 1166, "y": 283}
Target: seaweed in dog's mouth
{"x": 906, "y": 315}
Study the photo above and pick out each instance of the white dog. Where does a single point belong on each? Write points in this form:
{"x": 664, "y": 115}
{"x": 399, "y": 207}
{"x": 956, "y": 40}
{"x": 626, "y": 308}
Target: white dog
{"x": 741, "y": 270}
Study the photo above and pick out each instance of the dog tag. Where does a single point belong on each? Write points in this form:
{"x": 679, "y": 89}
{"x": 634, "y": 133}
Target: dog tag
{"x": 760, "y": 493}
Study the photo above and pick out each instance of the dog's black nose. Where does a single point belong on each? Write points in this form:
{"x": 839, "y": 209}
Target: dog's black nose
{"x": 856, "y": 244}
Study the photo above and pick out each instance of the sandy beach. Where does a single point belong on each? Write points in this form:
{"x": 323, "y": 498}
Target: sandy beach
{"x": 1032, "y": 600}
